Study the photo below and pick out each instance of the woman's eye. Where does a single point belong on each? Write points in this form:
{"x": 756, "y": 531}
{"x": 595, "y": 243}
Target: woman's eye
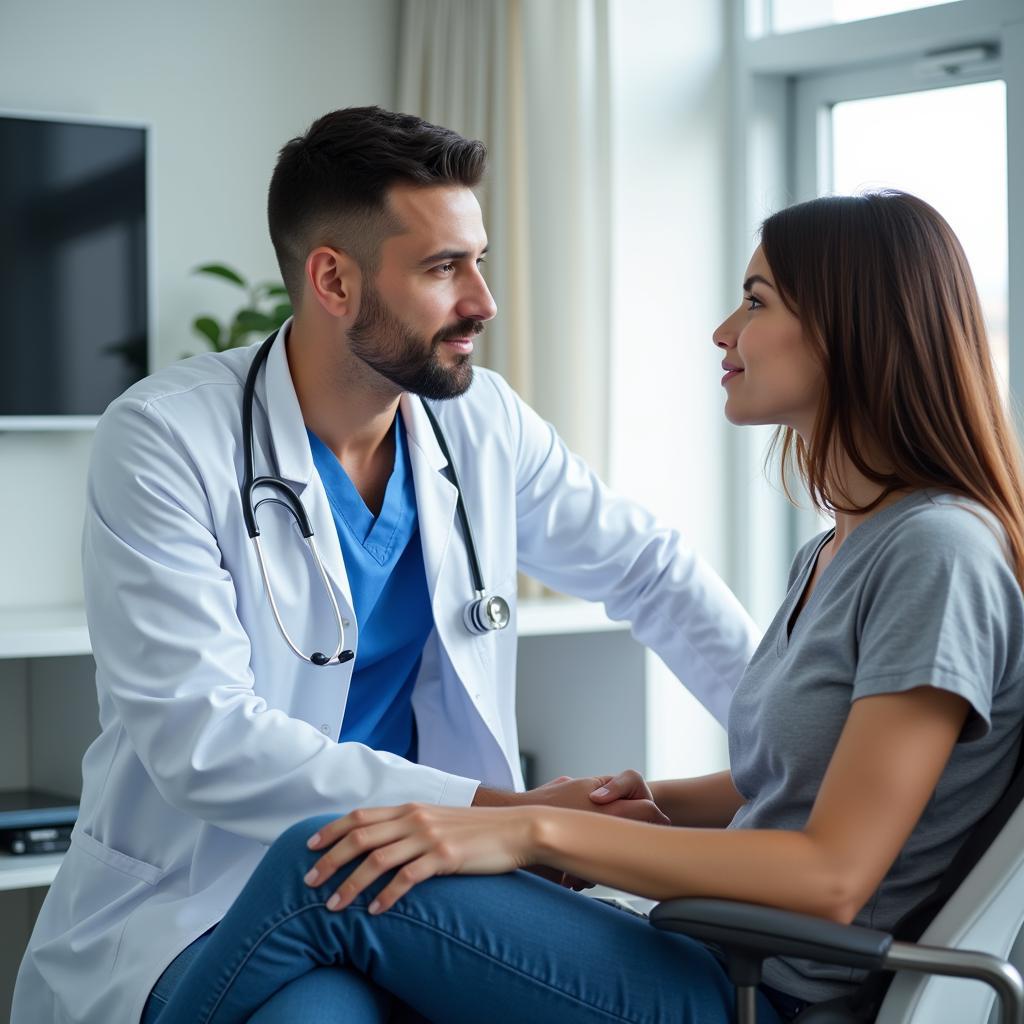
{"x": 754, "y": 302}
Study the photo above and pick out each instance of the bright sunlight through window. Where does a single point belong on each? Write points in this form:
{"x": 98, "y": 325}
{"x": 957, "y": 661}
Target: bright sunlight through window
{"x": 947, "y": 146}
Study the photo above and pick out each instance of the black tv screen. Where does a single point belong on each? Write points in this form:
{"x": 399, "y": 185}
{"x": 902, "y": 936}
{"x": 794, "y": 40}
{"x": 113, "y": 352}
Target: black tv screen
{"x": 73, "y": 265}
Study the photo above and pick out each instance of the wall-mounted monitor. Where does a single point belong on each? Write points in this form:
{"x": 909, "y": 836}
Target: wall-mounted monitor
{"x": 74, "y": 268}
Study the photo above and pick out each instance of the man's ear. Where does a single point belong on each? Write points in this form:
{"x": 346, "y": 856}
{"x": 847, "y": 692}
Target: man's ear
{"x": 333, "y": 278}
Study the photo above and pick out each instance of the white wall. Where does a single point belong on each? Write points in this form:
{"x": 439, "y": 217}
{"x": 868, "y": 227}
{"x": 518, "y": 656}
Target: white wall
{"x": 223, "y": 86}
{"x": 669, "y": 182}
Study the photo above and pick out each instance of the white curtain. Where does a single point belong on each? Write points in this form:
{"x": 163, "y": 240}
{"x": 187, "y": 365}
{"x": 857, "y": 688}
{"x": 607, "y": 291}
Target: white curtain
{"x": 530, "y": 78}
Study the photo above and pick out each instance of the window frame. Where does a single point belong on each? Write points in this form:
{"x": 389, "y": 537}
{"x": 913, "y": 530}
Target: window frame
{"x": 815, "y": 95}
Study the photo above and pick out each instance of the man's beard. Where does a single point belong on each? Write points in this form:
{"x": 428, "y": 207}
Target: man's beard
{"x": 399, "y": 355}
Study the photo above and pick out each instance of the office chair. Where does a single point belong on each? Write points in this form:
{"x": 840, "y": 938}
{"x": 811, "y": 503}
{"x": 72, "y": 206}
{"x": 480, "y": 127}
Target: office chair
{"x": 969, "y": 927}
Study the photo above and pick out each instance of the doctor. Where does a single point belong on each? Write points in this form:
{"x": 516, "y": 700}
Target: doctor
{"x": 247, "y": 684}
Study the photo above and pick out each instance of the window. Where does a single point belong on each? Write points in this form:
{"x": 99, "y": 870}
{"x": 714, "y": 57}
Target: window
{"x": 792, "y": 15}
{"x": 947, "y": 146}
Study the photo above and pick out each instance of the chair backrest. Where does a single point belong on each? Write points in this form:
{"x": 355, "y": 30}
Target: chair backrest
{"x": 985, "y": 912}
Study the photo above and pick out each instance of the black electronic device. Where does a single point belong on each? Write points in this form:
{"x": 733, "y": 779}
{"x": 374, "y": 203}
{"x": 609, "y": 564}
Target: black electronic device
{"x": 74, "y": 267}
{"x": 17, "y": 841}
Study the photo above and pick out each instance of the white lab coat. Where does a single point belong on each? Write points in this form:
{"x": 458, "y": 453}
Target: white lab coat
{"x": 215, "y": 737}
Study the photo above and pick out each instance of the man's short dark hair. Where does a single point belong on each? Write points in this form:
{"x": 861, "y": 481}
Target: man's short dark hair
{"x": 330, "y": 185}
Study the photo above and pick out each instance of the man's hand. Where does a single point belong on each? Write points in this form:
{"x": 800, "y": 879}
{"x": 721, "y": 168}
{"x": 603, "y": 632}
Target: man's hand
{"x": 561, "y": 878}
{"x": 627, "y": 795}
{"x": 561, "y": 792}
{"x": 635, "y": 802}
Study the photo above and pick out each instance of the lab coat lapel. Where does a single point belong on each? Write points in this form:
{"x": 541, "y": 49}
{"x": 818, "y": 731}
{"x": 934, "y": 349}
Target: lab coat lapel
{"x": 436, "y": 496}
{"x": 445, "y": 560}
{"x": 295, "y": 460}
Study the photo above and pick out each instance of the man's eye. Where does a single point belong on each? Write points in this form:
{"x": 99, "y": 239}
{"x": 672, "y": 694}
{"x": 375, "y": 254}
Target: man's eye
{"x": 445, "y": 268}
{"x": 755, "y": 302}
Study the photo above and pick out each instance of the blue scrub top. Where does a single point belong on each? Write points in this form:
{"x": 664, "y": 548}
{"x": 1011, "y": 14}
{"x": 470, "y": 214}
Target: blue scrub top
{"x": 384, "y": 561}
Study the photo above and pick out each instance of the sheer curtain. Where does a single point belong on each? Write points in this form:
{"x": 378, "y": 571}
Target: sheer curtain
{"x": 530, "y": 78}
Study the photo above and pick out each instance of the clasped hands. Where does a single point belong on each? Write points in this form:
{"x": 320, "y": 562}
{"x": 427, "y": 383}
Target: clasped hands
{"x": 626, "y": 795}
{"x": 423, "y": 840}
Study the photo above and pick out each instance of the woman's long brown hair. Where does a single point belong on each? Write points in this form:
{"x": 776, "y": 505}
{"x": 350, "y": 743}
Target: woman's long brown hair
{"x": 883, "y": 291}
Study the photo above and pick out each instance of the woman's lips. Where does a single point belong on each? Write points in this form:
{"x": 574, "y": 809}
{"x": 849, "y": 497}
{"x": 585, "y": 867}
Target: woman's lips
{"x": 729, "y": 374}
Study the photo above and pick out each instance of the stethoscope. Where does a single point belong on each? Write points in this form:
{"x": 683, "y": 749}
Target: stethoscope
{"x": 482, "y": 615}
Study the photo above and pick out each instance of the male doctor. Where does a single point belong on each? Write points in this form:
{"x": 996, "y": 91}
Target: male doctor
{"x": 218, "y": 731}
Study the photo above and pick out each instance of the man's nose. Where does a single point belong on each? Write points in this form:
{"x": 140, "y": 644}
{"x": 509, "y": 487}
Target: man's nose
{"x": 477, "y": 303}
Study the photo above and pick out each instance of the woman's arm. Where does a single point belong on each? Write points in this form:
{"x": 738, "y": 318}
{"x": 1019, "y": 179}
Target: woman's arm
{"x": 886, "y": 765}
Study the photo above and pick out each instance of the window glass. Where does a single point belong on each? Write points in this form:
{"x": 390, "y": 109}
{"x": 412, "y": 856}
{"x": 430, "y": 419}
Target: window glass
{"x": 947, "y": 146}
{"x": 792, "y": 15}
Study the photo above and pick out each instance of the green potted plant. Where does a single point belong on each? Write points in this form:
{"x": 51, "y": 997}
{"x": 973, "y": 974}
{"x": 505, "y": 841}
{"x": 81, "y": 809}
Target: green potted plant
{"x": 266, "y": 308}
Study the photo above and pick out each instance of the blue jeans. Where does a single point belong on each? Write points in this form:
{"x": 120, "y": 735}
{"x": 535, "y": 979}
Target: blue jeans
{"x": 505, "y": 949}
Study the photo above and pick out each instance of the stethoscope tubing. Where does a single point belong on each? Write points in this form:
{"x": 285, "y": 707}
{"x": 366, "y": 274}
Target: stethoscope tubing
{"x": 293, "y": 503}
{"x": 481, "y": 615}
{"x": 460, "y": 504}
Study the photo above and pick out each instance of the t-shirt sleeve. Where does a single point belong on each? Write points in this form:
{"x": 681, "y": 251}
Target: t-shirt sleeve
{"x": 935, "y": 611}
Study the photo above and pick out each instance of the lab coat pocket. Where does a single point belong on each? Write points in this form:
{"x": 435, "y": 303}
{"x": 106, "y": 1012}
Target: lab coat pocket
{"x": 131, "y": 866}
{"x": 78, "y": 936}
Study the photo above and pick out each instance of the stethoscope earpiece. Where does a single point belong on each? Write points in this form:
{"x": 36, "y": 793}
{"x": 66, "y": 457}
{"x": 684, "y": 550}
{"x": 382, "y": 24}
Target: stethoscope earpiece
{"x": 318, "y": 658}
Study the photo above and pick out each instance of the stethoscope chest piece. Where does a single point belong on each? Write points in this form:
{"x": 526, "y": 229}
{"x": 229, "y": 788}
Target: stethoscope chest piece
{"x": 486, "y": 614}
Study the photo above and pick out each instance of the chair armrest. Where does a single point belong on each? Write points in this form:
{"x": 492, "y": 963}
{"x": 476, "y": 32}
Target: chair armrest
{"x": 749, "y": 933}
{"x": 766, "y": 931}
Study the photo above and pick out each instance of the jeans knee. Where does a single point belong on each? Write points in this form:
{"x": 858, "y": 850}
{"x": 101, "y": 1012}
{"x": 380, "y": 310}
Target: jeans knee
{"x": 291, "y": 843}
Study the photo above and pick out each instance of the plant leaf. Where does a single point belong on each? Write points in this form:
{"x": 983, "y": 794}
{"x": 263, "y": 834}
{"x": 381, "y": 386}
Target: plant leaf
{"x": 220, "y": 270}
{"x": 254, "y": 320}
{"x": 209, "y": 329}
{"x": 281, "y": 313}
{"x": 272, "y": 290}
{"x": 235, "y": 334}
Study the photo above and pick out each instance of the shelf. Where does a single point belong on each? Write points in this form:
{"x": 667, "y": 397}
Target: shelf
{"x": 49, "y": 632}
{"x": 28, "y": 870}
{"x": 561, "y": 616}
{"x": 43, "y": 632}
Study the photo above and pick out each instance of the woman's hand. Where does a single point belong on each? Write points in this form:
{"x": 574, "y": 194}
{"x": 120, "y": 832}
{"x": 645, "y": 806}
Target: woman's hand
{"x": 426, "y": 839}
{"x": 627, "y": 795}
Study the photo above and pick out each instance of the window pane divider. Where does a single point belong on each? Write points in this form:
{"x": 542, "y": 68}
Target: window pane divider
{"x": 913, "y": 34}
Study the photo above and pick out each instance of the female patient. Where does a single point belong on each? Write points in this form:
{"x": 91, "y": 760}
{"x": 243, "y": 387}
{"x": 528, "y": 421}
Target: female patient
{"x": 877, "y": 722}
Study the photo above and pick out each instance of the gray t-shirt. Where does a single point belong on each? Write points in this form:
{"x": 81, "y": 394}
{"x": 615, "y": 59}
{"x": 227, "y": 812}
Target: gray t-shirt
{"x": 919, "y": 594}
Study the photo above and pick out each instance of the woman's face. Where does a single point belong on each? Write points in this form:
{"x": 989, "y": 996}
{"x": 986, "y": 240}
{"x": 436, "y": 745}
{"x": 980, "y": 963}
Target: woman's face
{"x": 772, "y": 374}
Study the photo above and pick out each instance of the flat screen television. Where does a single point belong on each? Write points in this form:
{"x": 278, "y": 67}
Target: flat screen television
{"x": 74, "y": 268}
